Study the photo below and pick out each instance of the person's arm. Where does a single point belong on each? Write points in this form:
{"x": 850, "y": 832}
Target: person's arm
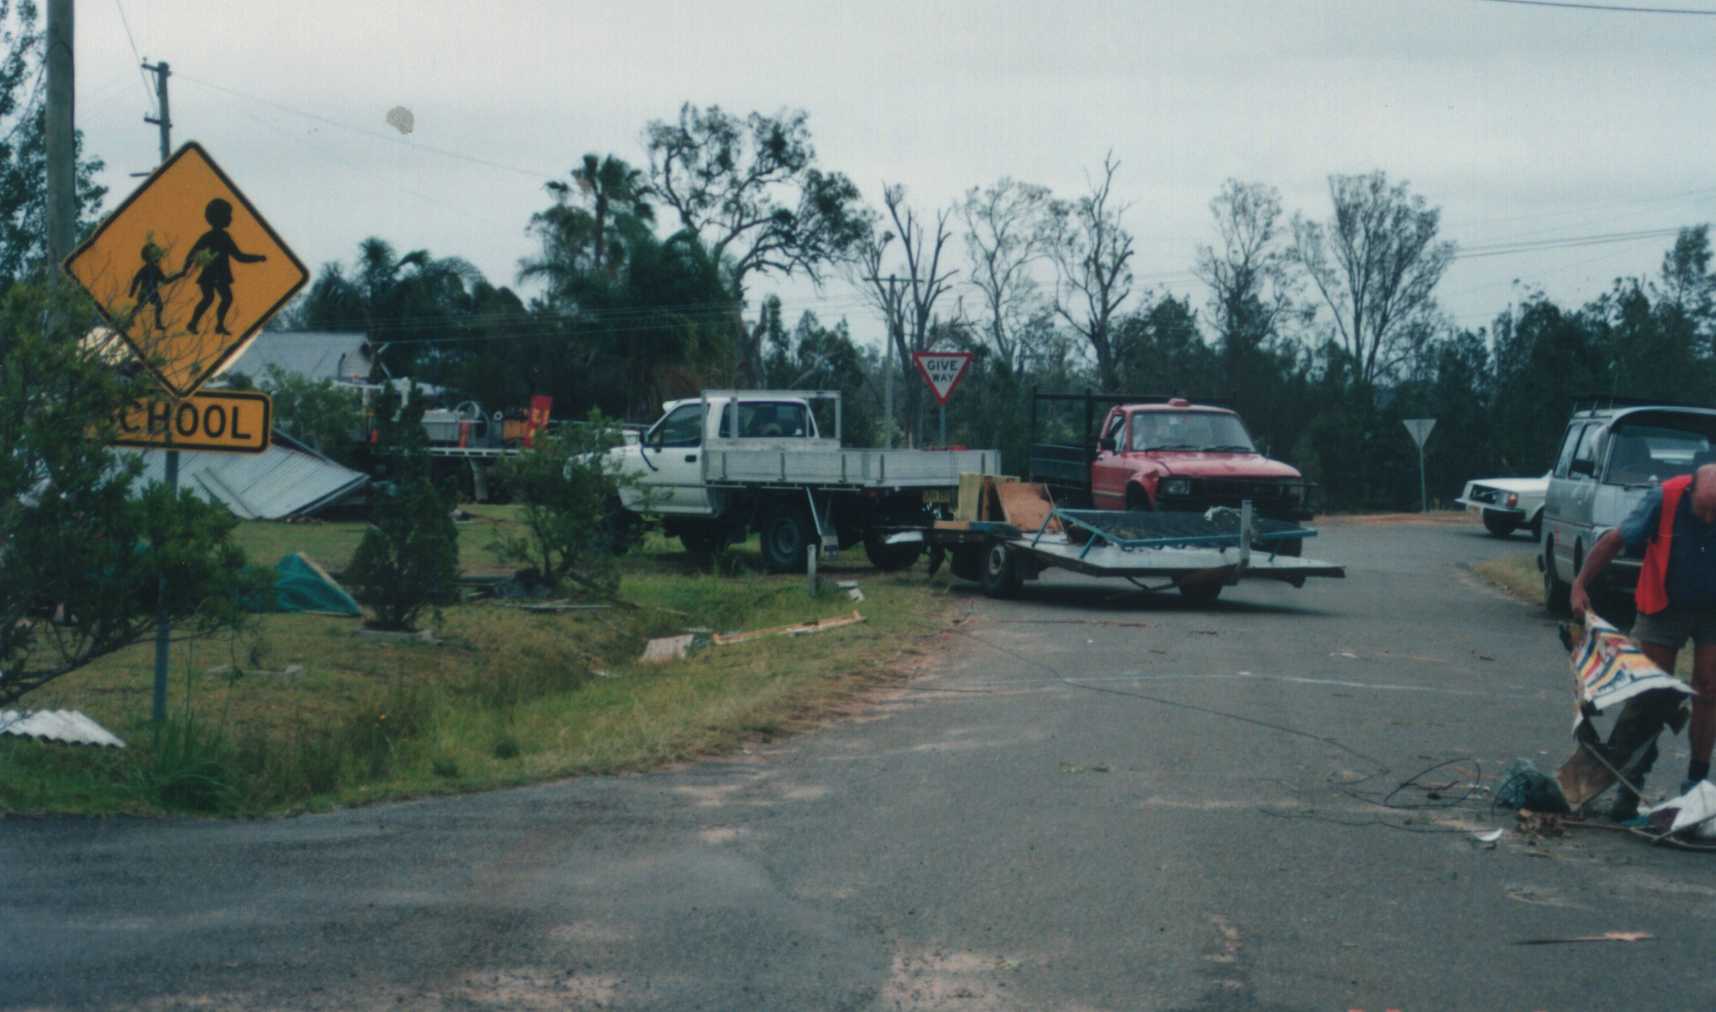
{"x": 241, "y": 256}
{"x": 1637, "y": 529}
{"x": 1602, "y": 553}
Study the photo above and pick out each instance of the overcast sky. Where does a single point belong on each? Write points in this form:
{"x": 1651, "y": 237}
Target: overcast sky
{"x": 1522, "y": 123}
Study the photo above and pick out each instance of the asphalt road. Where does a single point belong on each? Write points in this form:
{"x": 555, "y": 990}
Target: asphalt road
{"x": 1095, "y": 798}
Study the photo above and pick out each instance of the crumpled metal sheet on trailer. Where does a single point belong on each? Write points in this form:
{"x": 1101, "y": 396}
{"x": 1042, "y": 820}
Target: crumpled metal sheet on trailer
{"x": 286, "y": 480}
{"x": 67, "y": 726}
{"x": 1113, "y": 560}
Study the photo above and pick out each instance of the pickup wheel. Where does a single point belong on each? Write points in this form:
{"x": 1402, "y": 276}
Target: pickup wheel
{"x": 1290, "y": 547}
{"x": 1137, "y": 500}
{"x": 1500, "y": 524}
{"x": 702, "y": 541}
{"x": 786, "y": 534}
{"x": 621, "y": 529}
{"x": 1001, "y": 576}
{"x": 888, "y": 557}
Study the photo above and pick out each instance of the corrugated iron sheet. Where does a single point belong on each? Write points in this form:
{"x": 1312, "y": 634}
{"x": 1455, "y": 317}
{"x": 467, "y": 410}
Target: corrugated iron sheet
{"x": 286, "y": 480}
{"x": 68, "y": 726}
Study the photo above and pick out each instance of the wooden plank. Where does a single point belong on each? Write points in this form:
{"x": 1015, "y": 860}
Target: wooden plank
{"x": 1026, "y": 505}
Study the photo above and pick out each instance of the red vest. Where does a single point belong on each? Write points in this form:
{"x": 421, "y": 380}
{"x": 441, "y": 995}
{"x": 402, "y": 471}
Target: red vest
{"x": 1652, "y": 594}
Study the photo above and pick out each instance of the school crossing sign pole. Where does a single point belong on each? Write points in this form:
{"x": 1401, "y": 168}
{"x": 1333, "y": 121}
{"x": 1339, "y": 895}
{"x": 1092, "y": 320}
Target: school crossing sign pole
{"x": 187, "y": 272}
{"x": 942, "y": 370}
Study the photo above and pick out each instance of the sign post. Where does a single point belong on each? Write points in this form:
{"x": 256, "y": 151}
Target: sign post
{"x": 187, "y": 272}
{"x": 1420, "y": 430}
{"x": 942, "y": 370}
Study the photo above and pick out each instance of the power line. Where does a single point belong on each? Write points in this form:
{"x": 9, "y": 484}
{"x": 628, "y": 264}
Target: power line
{"x": 536, "y": 174}
{"x": 1606, "y": 8}
{"x": 148, "y": 94}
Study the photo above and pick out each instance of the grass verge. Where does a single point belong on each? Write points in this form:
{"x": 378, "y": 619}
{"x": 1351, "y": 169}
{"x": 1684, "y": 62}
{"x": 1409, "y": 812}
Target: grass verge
{"x": 301, "y": 712}
{"x": 1516, "y": 574}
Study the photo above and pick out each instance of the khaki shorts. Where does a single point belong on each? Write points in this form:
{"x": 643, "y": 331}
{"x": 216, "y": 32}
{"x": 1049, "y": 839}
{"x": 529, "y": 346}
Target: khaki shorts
{"x": 1672, "y": 627}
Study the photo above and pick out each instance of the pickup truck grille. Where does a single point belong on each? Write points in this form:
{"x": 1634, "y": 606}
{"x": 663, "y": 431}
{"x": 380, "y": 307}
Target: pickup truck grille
{"x": 1279, "y": 498}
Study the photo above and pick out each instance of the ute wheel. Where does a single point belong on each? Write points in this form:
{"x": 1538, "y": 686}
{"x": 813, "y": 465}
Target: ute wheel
{"x": 966, "y": 562}
{"x": 622, "y": 529}
{"x": 888, "y": 557}
{"x": 1537, "y": 527}
{"x": 1001, "y": 577}
{"x": 1556, "y": 594}
{"x": 702, "y": 541}
{"x": 1137, "y": 500}
{"x": 1201, "y": 590}
{"x": 786, "y": 534}
{"x": 1500, "y": 524}
{"x": 1290, "y": 547}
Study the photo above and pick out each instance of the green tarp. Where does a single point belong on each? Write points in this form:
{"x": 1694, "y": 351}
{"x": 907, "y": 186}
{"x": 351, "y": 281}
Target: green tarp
{"x": 302, "y": 586}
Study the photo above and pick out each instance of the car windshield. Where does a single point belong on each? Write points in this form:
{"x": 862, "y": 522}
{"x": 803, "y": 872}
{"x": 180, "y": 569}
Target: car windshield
{"x": 1190, "y": 430}
{"x": 1640, "y": 454}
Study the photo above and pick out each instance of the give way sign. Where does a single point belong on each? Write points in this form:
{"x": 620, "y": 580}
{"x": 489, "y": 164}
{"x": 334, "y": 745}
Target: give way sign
{"x": 942, "y": 370}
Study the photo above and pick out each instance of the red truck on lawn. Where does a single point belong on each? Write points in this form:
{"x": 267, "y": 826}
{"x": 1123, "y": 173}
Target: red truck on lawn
{"x": 1166, "y": 453}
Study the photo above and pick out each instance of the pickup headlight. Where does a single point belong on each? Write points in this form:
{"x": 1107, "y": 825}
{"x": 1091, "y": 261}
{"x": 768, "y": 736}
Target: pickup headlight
{"x": 1177, "y": 486}
{"x": 1296, "y": 494}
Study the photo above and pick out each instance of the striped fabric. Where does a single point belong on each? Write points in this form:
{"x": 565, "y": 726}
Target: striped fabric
{"x": 1609, "y": 668}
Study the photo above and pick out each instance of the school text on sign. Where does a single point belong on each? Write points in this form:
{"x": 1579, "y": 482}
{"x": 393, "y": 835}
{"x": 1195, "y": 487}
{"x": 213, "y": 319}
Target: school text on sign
{"x": 229, "y": 421}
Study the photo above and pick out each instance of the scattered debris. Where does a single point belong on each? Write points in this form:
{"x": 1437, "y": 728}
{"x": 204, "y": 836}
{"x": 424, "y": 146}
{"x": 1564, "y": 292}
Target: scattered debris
{"x": 1540, "y": 824}
{"x": 1607, "y": 936}
{"x": 669, "y": 648}
{"x": 290, "y": 672}
{"x": 553, "y": 607}
{"x": 1490, "y": 838}
{"x": 68, "y": 727}
{"x": 1067, "y": 767}
{"x": 1693, "y": 813}
{"x": 801, "y": 629}
{"x": 401, "y": 635}
{"x": 1523, "y": 786}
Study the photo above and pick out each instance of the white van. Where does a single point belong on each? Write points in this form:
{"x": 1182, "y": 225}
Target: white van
{"x": 1610, "y": 456}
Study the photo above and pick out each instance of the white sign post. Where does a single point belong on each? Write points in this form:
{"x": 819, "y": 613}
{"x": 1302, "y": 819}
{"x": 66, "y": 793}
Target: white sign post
{"x": 942, "y": 370}
{"x": 1420, "y": 430}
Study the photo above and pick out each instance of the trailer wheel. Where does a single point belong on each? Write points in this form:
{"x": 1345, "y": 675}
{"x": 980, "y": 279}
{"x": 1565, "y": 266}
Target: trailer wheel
{"x": 786, "y": 534}
{"x": 966, "y": 562}
{"x": 888, "y": 557}
{"x": 1203, "y": 591}
{"x": 1001, "y": 576}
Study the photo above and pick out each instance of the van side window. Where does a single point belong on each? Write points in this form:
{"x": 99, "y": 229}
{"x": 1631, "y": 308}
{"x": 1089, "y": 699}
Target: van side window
{"x": 1568, "y": 443}
{"x": 1587, "y": 449}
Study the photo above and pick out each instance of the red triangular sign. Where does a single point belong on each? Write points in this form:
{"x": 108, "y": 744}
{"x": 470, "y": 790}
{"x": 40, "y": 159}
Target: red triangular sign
{"x": 942, "y": 370}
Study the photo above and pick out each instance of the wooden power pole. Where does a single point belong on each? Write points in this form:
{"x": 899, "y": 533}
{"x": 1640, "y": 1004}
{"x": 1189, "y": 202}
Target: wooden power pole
{"x": 62, "y": 149}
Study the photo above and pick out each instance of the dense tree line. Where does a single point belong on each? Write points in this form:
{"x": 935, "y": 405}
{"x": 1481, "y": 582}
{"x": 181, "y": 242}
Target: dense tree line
{"x": 1321, "y": 326}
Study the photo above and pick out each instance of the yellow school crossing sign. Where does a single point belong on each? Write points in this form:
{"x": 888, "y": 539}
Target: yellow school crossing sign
{"x": 187, "y": 271}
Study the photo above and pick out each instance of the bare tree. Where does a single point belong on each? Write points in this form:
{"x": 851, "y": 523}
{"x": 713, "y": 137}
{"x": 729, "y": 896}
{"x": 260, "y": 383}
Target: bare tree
{"x": 1250, "y": 278}
{"x": 1376, "y": 262}
{"x": 1092, "y": 252}
{"x": 907, "y": 294}
{"x": 751, "y": 190}
{"x": 1008, "y": 231}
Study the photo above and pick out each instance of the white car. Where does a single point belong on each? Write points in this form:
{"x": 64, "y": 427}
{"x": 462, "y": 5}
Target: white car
{"x": 1507, "y": 504}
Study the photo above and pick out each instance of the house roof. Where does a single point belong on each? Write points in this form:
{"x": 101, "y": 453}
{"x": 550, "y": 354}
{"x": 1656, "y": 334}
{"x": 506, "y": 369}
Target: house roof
{"x": 342, "y": 356}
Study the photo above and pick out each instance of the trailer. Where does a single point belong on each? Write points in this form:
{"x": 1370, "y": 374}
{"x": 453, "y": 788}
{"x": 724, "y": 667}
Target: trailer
{"x": 1009, "y": 532}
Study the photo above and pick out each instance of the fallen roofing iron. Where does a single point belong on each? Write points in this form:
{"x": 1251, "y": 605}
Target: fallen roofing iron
{"x": 69, "y": 727}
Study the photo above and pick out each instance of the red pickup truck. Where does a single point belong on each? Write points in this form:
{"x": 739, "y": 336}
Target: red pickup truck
{"x": 1167, "y": 453}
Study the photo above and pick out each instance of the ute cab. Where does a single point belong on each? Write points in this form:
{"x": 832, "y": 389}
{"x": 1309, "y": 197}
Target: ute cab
{"x": 1177, "y": 455}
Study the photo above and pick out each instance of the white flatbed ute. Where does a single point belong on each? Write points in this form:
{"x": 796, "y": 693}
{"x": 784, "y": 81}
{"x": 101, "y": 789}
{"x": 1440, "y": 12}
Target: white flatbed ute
{"x": 715, "y": 467}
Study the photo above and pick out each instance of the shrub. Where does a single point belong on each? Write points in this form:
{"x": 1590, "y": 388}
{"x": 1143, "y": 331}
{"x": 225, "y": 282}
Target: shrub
{"x": 408, "y": 561}
{"x": 573, "y": 526}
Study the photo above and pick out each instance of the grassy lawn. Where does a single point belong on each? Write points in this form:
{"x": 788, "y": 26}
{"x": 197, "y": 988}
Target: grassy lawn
{"x": 301, "y": 712}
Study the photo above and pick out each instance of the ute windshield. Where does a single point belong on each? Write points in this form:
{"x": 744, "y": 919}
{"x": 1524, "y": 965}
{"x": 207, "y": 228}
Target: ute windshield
{"x": 1190, "y": 430}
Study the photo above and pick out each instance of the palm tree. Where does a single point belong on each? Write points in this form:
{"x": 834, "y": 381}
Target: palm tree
{"x": 594, "y": 234}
